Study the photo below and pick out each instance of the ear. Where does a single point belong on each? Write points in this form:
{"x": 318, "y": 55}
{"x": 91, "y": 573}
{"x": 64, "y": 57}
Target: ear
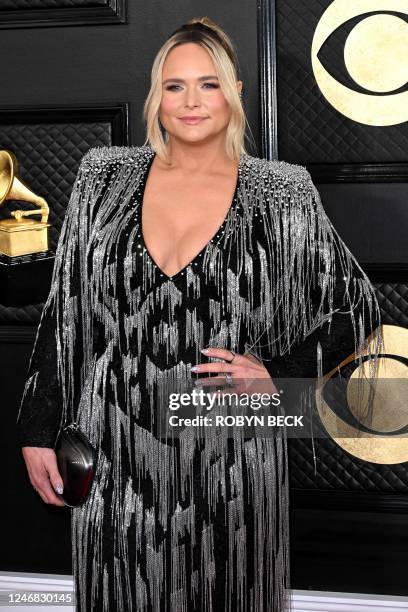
{"x": 239, "y": 86}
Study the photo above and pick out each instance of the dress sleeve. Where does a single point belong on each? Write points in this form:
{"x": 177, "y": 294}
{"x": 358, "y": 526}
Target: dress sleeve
{"x": 53, "y": 378}
{"x": 327, "y": 307}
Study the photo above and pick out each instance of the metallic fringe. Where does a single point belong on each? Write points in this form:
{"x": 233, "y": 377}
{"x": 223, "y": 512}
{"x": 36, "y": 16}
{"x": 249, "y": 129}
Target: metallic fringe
{"x": 298, "y": 239}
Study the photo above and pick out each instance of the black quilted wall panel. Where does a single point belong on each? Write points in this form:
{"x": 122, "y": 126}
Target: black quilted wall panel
{"x": 311, "y": 132}
{"x": 393, "y": 300}
{"x": 49, "y": 154}
{"x": 53, "y": 13}
{"x": 41, "y": 4}
{"x": 309, "y": 128}
{"x": 336, "y": 469}
{"x": 371, "y": 218}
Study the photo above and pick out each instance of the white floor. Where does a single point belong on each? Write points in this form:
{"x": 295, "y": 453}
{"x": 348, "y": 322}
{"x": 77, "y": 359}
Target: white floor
{"x": 303, "y": 601}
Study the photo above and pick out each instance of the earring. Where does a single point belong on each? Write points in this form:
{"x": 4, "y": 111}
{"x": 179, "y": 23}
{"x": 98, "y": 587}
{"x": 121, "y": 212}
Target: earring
{"x": 240, "y": 96}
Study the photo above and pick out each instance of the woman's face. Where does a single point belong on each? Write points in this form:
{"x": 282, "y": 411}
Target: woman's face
{"x": 190, "y": 88}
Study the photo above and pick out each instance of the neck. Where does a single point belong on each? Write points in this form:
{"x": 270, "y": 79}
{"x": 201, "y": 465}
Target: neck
{"x": 201, "y": 157}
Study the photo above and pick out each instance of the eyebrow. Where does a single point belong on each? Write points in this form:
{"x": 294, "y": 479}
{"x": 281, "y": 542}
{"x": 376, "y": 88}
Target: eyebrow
{"x": 202, "y": 78}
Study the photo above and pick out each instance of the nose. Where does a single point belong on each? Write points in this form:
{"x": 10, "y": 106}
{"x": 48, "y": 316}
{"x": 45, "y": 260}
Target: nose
{"x": 192, "y": 96}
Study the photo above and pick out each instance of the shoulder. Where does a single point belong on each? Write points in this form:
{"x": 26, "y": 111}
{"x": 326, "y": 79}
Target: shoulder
{"x": 278, "y": 174}
{"x": 283, "y": 190}
{"x": 101, "y": 156}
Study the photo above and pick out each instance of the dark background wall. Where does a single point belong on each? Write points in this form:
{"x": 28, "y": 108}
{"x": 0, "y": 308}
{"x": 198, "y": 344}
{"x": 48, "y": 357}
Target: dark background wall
{"x": 111, "y": 63}
{"x": 70, "y": 87}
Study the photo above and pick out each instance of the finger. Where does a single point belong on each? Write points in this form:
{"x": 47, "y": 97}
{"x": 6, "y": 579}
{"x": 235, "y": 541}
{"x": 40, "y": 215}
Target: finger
{"x": 43, "y": 491}
{"x": 37, "y": 460}
{"x": 47, "y": 493}
{"x": 55, "y": 477}
{"x": 238, "y": 371}
{"x": 215, "y": 367}
{"x": 247, "y": 360}
{"x": 240, "y": 384}
{"x": 226, "y": 354}
{"x": 41, "y": 494}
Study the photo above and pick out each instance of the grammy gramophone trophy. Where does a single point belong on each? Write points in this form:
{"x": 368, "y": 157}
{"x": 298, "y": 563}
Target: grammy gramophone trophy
{"x": 20, "y": 235}
{"x": 25, "y": 259}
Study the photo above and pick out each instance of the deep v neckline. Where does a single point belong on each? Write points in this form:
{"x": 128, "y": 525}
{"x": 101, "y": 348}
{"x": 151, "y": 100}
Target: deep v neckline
{"x": 217, "y": 234}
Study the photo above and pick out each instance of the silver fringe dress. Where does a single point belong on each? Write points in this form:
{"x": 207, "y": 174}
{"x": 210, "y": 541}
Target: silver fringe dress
{"x": 184, "y": 526}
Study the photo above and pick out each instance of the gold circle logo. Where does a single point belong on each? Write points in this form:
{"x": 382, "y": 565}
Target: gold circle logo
{"x": 375, "y": 56}
{"x": 389, "y": 406}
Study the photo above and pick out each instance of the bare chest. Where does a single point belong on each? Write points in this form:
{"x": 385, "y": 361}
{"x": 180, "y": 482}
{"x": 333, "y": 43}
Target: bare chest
{"x": 179, "y": 218}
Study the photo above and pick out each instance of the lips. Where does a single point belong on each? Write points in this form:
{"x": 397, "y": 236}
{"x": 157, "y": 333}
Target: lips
{"x": 192, "y": 120}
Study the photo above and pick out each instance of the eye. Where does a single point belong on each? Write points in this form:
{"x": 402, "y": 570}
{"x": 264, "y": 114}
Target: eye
{"x": 368, "y": 73}
{"x": 211, "y": 86}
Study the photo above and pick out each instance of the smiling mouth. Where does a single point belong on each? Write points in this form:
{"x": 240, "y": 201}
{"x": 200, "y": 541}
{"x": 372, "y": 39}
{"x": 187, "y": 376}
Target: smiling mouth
{"x": 192, "y": 121}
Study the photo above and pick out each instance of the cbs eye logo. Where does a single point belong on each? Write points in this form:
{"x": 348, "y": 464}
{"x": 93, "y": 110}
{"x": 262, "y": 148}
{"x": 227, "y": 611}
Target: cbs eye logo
{"x": 372, "y": 423}
{"x": 376, "y": 58}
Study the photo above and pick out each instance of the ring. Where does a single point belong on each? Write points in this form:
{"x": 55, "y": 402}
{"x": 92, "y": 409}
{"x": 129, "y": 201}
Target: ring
{"x": 228, "y": 379}
{"x": 233, "y": 356}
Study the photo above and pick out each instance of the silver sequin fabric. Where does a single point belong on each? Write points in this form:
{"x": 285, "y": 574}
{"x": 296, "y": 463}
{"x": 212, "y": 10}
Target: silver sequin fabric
{"x": 182, "y": 524}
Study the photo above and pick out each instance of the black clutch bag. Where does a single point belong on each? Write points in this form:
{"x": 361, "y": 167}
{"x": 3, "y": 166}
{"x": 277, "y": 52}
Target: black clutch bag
{"x": 76, "y": 458}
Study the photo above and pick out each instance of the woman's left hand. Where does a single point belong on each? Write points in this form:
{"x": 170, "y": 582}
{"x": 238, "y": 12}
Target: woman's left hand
{"x": 237, "y": 371}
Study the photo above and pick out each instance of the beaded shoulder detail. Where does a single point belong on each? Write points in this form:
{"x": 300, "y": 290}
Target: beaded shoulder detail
{"x": 106, "y": 154}
{"x": 258, "y": 167}
{"x": 276, "y": 169}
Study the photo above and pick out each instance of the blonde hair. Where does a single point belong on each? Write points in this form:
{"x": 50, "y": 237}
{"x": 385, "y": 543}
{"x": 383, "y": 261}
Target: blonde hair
{"x": 210, "y": 36}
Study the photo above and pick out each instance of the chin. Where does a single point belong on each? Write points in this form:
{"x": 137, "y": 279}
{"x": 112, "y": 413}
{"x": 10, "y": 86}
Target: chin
{"x": 194, "y": 137}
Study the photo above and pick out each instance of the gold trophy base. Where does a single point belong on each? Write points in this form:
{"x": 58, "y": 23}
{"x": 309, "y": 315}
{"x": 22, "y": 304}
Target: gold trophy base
{"x": 23, "y": 237}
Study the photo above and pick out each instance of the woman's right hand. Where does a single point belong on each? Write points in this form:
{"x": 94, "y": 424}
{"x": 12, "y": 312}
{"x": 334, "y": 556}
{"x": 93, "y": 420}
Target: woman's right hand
{"x": 43, "y": 472}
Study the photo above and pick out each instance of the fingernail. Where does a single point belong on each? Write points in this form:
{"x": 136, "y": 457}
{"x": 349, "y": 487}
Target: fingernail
{"x": 195, "y": 369}
{"x": 205, "y": 351}
{"x": 59, "y": 488}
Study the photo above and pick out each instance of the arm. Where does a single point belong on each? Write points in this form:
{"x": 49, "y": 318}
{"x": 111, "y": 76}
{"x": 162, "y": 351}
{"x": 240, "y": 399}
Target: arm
{"x": 53, "y": 379}
{"x": 330, "y": 304}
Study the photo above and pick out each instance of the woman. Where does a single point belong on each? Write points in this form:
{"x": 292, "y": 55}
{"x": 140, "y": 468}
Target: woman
{"x": 182, "y": 244}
